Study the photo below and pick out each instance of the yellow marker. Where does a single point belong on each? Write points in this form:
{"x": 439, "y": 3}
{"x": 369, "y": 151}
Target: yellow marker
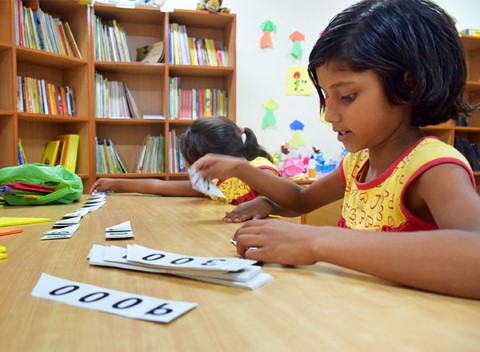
{"x": 3, "y": 252}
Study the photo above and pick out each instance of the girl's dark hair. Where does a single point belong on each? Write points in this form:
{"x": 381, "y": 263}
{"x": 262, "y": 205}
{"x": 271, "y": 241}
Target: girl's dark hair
{"x": 395, "y": 37}
{"x": 219, "y": 135}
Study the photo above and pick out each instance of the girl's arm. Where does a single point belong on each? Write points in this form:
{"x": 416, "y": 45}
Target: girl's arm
{"x": 181, "y": 188}
{"x": 284, "y": 192}
{"x": 445, "y": 260}
{"x": 257, "y": 208}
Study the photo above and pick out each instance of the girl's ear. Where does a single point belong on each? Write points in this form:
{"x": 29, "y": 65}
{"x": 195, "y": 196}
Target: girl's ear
{"x": 408, "y": 81}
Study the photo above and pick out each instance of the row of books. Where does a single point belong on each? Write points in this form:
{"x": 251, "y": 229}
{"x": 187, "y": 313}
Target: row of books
{"x": 42, "y": 97}
{"x": 38, "y": 30}
{"x": 110, "y": 42}
{"x": 470, "y": 151}
{"x": 107, "y": 158}
{"x": 63, "y": 150}
{"x": 149, "y": 160}
{"x": 185, "y": 50}
{"x": 113, "y": 99}
{"x": 176, "y": 163}
{"x": 151, "y": 156}
{"x": 191, "y": 104}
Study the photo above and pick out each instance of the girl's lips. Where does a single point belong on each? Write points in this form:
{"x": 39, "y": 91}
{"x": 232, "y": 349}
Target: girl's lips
{"x": 341, "y": 136}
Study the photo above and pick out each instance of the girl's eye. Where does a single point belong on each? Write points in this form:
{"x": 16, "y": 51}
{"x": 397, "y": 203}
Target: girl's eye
{"x": 349, "y": 98}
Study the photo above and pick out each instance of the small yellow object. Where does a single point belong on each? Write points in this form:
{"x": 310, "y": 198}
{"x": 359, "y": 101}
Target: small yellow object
{"x": 3, "y": 249}
{"x": 3, "y": 252}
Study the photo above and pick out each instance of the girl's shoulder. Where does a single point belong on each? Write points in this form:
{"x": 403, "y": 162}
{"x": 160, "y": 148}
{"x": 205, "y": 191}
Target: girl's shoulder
{"x": 263, "y": 163}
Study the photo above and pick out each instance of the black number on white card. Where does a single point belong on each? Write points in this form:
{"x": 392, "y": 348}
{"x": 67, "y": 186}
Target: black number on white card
{"x": 180, "y": 261}
{"x": 60, "y": 291}
{"x": 213, "y": 262}
{"x": 154, "y": 256}
{"x": 97, "y": 296}
{"x": 120, "y": 304}
{"x": 160, "y": 310}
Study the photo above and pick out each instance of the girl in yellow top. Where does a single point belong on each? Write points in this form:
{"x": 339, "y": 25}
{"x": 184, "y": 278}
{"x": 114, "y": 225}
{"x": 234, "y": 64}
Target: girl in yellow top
{"x": 387, "y": 67}
{"x": 207, "y": 135}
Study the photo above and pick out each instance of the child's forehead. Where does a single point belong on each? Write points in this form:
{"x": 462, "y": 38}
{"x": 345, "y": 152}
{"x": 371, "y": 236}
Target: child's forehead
{"x": 333, "y": 76}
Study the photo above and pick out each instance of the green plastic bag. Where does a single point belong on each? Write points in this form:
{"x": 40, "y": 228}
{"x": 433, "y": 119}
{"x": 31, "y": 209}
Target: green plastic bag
{"x": 68, "y": 185}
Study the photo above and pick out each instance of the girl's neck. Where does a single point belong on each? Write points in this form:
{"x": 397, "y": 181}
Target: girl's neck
{"x": 383, "y": 156}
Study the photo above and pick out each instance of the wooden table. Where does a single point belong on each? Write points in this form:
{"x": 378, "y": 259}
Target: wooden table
{"x": 314, "y": 308}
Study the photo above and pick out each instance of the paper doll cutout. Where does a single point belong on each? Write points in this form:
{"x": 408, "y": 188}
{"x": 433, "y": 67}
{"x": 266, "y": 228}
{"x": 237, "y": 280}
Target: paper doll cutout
{"x": 296, "y": 51}
{"x": 297, "y": 138}
{"x": 269, "y": 117}
{"x": 266, "y": 39}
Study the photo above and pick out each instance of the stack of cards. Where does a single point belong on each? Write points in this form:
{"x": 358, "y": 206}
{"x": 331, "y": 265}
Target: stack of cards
{"x": 120, "y": 231}
{"x": 235, "y": 272}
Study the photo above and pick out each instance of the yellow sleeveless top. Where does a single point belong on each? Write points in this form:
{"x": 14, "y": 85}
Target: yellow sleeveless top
{"x": 378, "y": 205}
{"x": 235, "y": 190}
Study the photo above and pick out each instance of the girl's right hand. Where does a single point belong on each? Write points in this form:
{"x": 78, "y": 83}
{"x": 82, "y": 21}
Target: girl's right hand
{"x": 257, "y": 208}
{"x": 102, "y": 185}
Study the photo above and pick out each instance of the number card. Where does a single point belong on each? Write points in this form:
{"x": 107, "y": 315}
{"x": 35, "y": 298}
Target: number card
{"x": 153, "y": 257}
{"x": 64, "y": 232}
{"x": 68, "y": 221}
{"x": 120, "y": 231}
{"x": 202, "y": 185}
{"x": 79, "y": 212}
{"x": 129, "y": 305}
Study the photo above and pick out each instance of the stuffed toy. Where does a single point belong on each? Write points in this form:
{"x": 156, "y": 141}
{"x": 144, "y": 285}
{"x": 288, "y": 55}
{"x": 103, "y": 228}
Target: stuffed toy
{"x": 212, "y": 6}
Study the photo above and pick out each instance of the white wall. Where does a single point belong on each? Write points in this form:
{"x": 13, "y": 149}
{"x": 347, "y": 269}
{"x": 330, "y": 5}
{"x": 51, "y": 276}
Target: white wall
{"x": 261, "y": 73}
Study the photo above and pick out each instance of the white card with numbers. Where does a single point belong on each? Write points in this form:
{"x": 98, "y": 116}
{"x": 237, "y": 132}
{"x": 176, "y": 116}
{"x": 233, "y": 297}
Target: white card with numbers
{"x": 106, "y": 300}
{"x": 202, "y": 185}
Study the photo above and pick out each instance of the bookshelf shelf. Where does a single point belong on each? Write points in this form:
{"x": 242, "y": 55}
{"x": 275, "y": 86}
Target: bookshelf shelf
{"x": 24, "y": 116}
{"x": 200, "y": 71}
{"x": 130, "y": 67}
{"x": 39, "y": 57}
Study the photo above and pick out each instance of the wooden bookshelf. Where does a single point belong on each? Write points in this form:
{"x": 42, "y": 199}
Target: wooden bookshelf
{"x": 448, "y": 131}
{"x": 149, "y": 83}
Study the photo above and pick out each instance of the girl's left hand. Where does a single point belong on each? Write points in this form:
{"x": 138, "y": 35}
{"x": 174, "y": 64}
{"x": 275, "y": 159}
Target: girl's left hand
{"x": 278, "y": 241}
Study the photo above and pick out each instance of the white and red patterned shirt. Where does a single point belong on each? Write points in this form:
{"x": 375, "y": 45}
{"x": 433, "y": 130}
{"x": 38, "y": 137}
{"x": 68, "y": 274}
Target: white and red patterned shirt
{"x": 235, "y": 190}
{"x": 378, "y": 205}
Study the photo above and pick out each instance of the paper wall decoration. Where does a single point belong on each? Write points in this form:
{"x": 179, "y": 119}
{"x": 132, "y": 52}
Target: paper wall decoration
{"x": 269, "y": 118}
{"x": 297, "y": 138}
{"x": 266, "y": 39}
{"x": 298, "y": 81}
{"x": 296, "y": 51}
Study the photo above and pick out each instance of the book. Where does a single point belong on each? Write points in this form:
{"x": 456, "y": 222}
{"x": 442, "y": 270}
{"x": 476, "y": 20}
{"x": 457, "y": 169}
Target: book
{"x": 69, "y": 157}
{"x": 21, "y": 153}
{"x": 71, "y": 40}
{"x": 471, "y": 32}
{"x": 50, "y": 153}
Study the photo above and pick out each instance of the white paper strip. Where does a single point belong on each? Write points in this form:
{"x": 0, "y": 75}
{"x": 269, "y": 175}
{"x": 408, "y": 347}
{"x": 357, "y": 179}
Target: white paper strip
{"x": 110, "y": 301}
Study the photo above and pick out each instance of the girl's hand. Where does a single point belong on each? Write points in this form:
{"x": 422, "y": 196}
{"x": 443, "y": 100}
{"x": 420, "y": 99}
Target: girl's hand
{"x": 278, "y": 241}
{"x": 257, "y": 208}
{"x": 102, "y": 185}
{"x": 213, "y": 166}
